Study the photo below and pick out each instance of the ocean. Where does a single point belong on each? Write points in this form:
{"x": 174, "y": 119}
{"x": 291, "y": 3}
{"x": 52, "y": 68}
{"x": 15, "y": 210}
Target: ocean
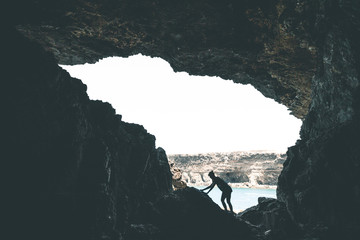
{"x": 241, "y": 198}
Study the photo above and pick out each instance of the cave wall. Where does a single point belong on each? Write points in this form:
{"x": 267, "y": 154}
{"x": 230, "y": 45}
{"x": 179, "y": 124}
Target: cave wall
{"x": 321, "y": 178}
{"x": 292, "y": 51}
{"x": 74, "y": 170}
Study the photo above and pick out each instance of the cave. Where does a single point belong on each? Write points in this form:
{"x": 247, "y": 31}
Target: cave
{"x": 75, "y": 170}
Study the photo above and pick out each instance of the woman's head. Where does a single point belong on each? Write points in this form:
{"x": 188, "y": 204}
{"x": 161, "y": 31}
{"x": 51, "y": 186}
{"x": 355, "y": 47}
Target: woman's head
{"x": 211, "y": 174}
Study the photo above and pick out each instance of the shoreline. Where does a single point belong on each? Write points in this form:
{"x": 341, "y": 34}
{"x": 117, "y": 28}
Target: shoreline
{"x": 239, "y": 185}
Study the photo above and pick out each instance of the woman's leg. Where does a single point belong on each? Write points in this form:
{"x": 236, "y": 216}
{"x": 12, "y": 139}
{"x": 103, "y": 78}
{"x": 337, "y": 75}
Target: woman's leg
{"x": 228, "y": 202}
{"x": 223, "y": 201}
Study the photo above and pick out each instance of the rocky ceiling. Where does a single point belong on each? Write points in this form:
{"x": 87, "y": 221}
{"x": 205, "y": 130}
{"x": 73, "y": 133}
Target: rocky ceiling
{"x": 251, "y": 42}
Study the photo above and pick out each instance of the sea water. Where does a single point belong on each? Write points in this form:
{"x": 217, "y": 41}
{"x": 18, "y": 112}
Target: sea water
{"x": 241, "y": 198}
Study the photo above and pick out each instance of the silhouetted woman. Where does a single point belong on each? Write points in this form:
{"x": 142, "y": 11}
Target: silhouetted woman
{"x": 224, "y": 187}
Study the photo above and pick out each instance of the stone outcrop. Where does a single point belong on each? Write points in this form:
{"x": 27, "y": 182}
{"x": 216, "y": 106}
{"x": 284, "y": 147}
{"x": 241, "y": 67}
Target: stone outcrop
{"x": 190, "y": 214}
{"x": 177, "y": 177}
{"x": 245, "y": 169}
{"x": 74, "y": 170}
{"x": 272, "y": 218}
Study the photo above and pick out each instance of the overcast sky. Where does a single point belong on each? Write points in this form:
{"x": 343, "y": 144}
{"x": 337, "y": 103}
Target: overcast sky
{"x": 189, "y": 114}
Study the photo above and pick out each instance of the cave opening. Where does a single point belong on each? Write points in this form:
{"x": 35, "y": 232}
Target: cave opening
{"x": 204, "y": 123}
{"x": 189, "y": 114}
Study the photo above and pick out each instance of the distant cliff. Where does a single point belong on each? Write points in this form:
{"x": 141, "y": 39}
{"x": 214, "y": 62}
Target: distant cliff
{"x": 243, "y": 169}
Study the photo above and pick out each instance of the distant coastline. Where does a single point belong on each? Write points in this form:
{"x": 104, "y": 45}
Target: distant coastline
{"x": 243, "y": 169}
{"x": 242, "y": 185}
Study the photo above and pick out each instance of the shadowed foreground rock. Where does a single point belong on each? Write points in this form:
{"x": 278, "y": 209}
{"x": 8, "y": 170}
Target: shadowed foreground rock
{"x": 190, "y": 214}
{"x": 271, "y": 216}
{"x": 75, "y": 170}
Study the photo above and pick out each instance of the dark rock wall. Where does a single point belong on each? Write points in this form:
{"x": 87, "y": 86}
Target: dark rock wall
{"x": 320, "y": 182}
{"x": 74, "y": 170}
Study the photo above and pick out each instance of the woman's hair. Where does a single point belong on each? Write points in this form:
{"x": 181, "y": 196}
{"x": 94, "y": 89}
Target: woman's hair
{"x": 211, "y": 173}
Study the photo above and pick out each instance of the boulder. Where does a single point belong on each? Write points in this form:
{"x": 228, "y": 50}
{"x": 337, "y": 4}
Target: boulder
{"x": 191, "y": 214}
{"x": 177, "y": 181}
{"x": 271, "y": 216}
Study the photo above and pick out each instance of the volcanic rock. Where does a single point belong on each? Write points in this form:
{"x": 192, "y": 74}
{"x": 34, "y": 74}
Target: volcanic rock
{"x": 177, "y": 181}
{"x": 190, "y": 214}
{"x": 271, "y": 216}
{"x": 247, "y": 41}
{"x": 75, "y": 169}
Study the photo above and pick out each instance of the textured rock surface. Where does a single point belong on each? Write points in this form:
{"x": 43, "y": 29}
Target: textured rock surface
{"x": 75, "y": 170}
{"x": 248, "y": 169}
{"x": 177, "y": 177}
{"x": 247, "y": 41}
{"x": 320, "y": 182}
{"x": 271, "y": 216}
{"x": 191, "y": 214}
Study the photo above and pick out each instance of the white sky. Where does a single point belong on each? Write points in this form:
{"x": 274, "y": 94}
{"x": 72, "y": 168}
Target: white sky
{"x": 189, "y": 114}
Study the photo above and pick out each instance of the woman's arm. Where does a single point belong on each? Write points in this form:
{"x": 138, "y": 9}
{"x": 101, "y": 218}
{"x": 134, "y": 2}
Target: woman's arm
{"x": 206, "y": 188}
{"x": 211, "y": 187}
